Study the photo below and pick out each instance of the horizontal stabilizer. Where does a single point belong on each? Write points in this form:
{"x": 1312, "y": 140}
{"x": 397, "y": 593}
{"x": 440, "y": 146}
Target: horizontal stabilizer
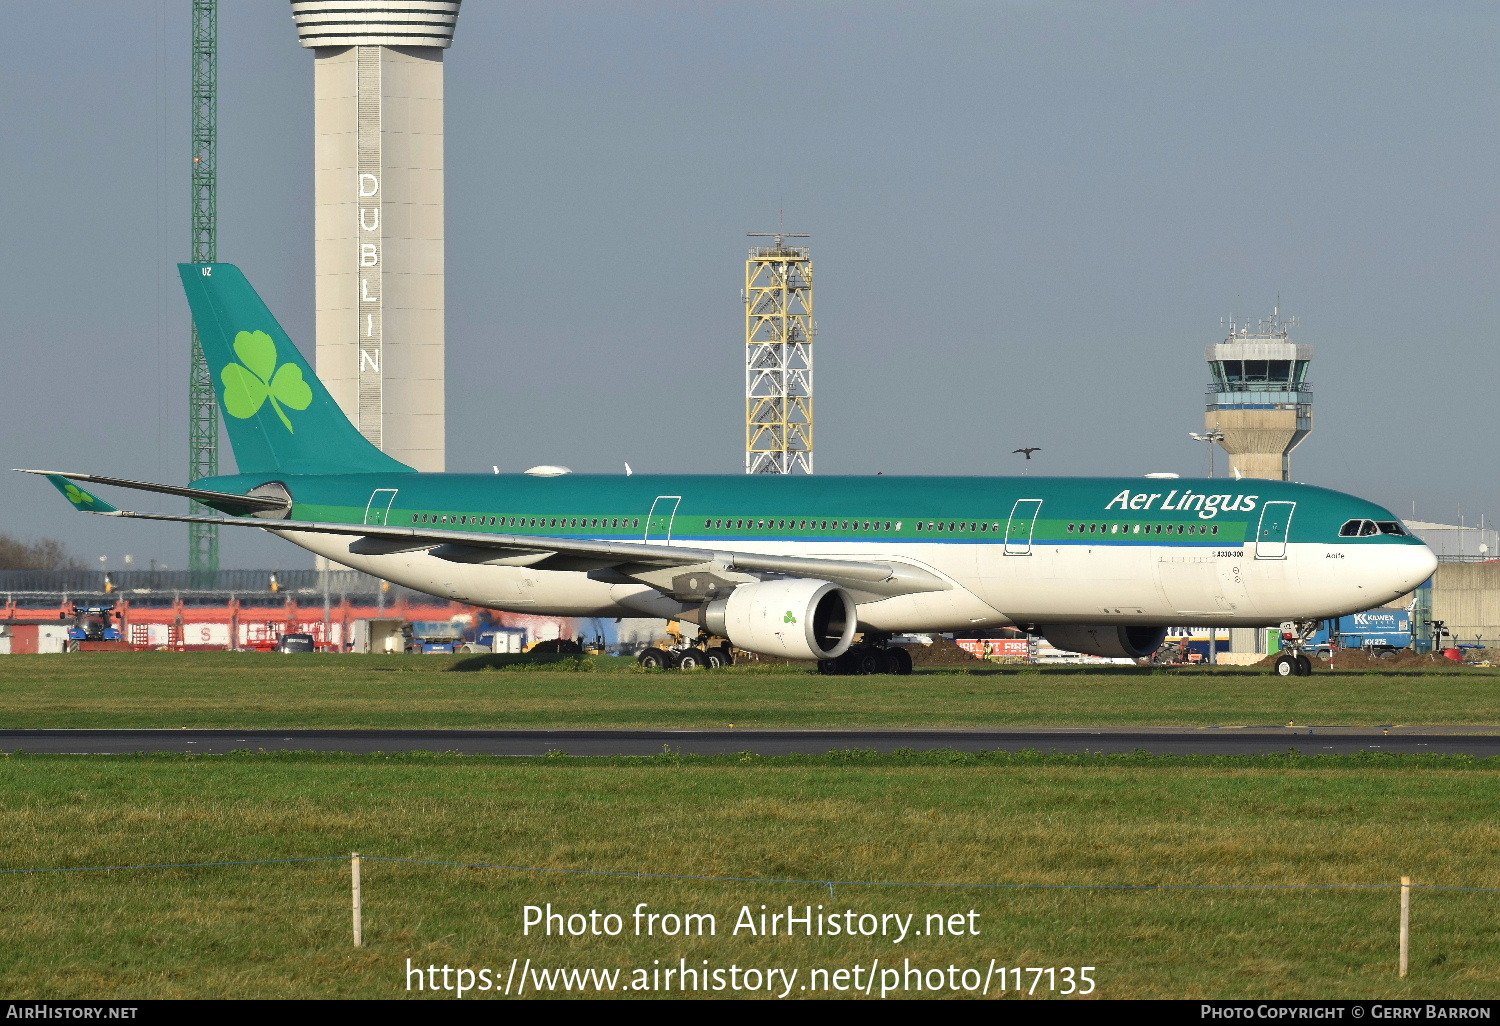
{"x": 248, "y": 503}
{"x": 81, "y": 500}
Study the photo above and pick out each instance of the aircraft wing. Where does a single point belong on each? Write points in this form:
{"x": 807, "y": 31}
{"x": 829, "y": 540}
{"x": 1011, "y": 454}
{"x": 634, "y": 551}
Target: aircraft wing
{"x": 659, "y": 566}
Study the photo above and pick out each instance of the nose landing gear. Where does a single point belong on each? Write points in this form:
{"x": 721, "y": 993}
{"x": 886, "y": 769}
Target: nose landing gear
{"x": 1293, "y": 662}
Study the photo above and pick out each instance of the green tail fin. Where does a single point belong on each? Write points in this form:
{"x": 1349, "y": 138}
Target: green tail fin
{"x": 81, "y": 500}
{"x": 278, "y": 414}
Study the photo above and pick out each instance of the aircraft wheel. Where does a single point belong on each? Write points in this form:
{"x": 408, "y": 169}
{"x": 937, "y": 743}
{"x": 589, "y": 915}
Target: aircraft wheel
{"x": 692, "y": 659}
{"x": 851, "y": 661}
{"x": 1286, "y": 666}
{"x": 900, "y": 660}
{"x": 830, "y": 667}
{"x": 1304, "y": 665}
{"x": 718, "y": 656}
{"x": 653, "y": 659}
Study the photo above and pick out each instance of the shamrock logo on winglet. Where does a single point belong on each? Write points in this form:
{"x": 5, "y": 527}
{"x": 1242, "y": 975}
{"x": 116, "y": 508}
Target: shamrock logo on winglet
{"x": 257, "y": 378}
{"x": 78, "y": 496}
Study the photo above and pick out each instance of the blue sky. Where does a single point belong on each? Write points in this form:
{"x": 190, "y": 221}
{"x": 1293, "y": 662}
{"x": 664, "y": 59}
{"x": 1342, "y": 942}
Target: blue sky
{"x": 1027, "y": 220}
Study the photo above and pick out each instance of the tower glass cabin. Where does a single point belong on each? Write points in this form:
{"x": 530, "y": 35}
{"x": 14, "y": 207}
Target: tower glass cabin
{"x": 1260, "y": 399}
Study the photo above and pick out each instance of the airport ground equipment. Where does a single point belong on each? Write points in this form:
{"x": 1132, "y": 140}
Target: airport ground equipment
{"x": 93, "y": 622}
{"x": 1377, "y": 632}
{"x": 502, "y": 640}
{"x": 288, "y": 644}
{"x": 430, "y": 637}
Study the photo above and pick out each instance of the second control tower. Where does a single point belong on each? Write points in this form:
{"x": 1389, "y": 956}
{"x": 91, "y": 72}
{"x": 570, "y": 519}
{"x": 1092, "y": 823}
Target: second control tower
{"x": 1260, "y": 401}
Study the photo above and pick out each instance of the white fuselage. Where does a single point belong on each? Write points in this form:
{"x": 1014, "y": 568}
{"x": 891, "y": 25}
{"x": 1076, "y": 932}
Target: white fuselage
{"x": 1069, "y": 583}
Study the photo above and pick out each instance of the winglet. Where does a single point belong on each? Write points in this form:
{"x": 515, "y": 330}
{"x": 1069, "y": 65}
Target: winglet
{"x": 81, "y": 500}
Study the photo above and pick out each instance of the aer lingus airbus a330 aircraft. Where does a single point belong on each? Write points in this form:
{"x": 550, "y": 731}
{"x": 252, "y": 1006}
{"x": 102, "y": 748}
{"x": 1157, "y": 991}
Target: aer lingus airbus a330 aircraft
{"x": 785, "y": 566}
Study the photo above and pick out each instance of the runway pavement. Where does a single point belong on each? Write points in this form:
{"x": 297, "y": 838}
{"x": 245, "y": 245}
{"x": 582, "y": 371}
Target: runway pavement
{"x": 1229, "y": 740}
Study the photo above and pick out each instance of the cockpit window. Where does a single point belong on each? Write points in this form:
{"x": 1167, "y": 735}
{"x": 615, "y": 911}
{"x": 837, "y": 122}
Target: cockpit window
{"x": 1370, "y": 528}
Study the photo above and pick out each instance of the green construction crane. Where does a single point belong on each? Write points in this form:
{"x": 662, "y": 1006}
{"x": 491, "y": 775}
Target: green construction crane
{"x": 203, "y": 408}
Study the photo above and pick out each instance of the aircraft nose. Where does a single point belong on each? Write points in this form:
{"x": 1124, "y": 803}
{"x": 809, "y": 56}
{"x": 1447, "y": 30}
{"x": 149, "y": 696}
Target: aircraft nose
{"x": 1413, "y": 565}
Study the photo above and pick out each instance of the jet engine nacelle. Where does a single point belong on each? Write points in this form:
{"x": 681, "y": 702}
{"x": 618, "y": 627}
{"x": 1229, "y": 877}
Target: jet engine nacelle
{"x": 792, "y": 619}
{"x": 1113, "y": 642}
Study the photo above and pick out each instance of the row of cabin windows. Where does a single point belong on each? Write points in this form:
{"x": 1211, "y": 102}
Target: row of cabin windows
{"x": 480, "y": 521}
{"x": 1354, "y": 528}
{"x": 948, "y": 526}
{"x": 806, "y": 525}
{"x": 855, "y": 525}
{"x": 1143, "y": 528}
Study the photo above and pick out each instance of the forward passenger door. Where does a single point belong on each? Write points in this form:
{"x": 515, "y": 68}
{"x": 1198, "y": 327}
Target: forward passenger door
{"x": 1271, "y": 533}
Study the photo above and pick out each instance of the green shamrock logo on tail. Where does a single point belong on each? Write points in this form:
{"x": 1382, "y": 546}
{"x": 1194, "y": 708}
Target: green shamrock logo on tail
{"x": 257, "y": 378}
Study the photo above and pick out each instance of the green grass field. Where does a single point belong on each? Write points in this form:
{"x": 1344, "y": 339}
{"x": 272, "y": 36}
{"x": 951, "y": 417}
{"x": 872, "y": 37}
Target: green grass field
{"x": 283, "y": 930}
{"x": 245, "y": 690}
{"x": 1266, "y": 825}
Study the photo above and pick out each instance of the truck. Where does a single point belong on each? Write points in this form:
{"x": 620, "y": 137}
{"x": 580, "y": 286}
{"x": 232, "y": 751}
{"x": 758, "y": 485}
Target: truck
{"x": 1377, "y": 632}
{"x": 434, "y": 637}
{"x": 502, "y": 640}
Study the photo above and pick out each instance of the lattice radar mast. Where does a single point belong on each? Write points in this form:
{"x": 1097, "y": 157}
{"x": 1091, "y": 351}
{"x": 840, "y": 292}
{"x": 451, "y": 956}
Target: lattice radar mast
{"x": 779, "y": 357}
{"x": 203, "y": 407}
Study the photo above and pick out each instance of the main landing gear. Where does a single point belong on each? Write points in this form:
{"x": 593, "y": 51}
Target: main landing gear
{"x": 691, "y": 657}
{"x": 868, "y": 657}
{"x": 1293, "y": 662}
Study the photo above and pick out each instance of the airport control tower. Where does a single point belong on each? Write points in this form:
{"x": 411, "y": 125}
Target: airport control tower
{"x": 378, "y": 154}
{"x": 1260, "y": 401}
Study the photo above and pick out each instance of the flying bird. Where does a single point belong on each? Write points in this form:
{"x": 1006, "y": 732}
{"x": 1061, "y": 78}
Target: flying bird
{"x": 1028, "y": 451}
